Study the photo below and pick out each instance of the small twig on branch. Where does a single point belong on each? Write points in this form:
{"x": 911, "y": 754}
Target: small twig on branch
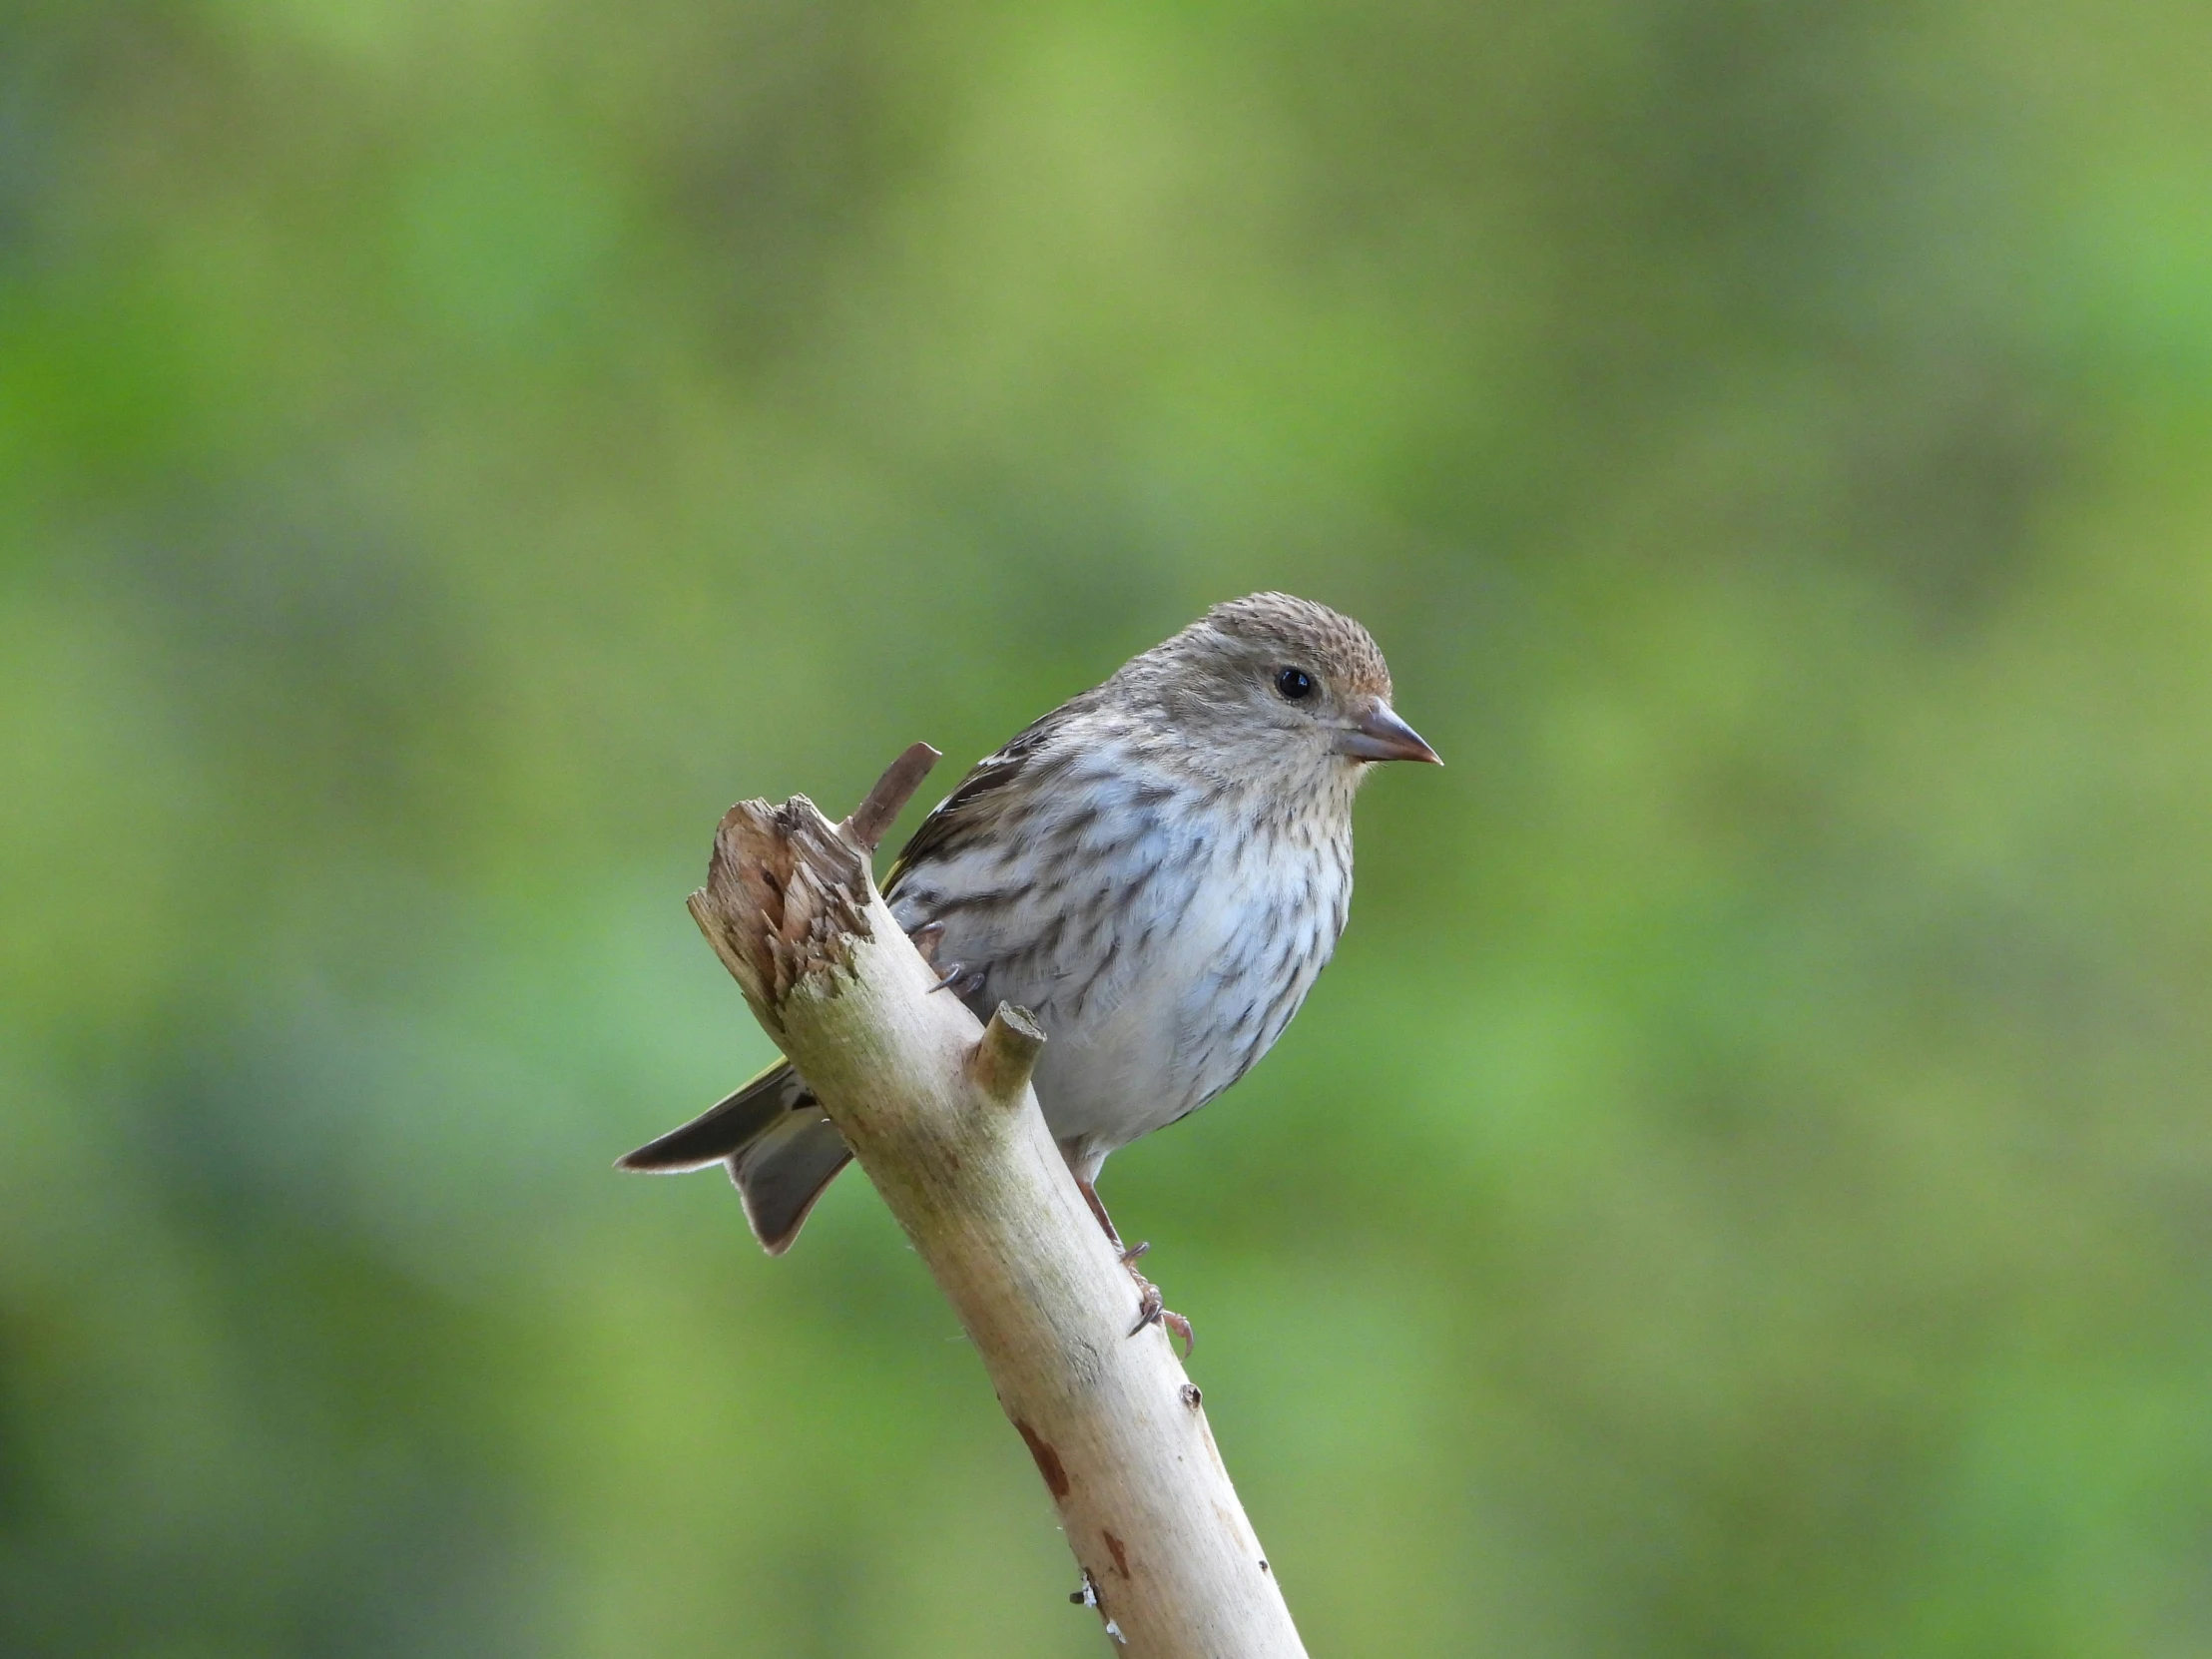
{"x": 872, "y": 818}
{"x": 940, "y": 1114}
{"x": 1003, "y": 1060}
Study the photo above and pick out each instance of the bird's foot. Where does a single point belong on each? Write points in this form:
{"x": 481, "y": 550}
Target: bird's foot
{"x": 1149, "y": 1310}
{"x": 960, "y": 979}
{"x": 927, "y": 938}
{"x": 1152, "y": 1311}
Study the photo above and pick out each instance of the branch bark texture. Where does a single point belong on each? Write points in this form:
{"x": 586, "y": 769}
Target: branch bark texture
{"x": 940, "y": 1112}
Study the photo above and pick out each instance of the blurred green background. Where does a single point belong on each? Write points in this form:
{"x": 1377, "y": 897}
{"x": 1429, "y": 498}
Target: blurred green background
{"x": 1744, "y": 1188}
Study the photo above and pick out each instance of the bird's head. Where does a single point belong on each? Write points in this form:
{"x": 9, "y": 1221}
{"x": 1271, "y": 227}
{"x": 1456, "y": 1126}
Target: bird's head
{"x": 1272, "y": 689}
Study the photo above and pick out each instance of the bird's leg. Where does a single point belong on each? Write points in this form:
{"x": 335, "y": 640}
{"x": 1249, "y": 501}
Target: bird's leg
{"x": 1098, "y": 1209}
{"x": 1129, "y": 1253}
{"x": 1150, "y": 1309}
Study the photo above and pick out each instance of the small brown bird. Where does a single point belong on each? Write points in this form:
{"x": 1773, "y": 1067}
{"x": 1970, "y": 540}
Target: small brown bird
{"x": 1158, "y": 870}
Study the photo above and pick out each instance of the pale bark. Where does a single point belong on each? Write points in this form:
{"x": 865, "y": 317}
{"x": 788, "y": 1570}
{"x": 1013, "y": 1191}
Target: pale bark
{"x": 940, "y": 1112}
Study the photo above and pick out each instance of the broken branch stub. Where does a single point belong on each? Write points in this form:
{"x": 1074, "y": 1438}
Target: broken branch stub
{"x": 780, "y": 901}
{"x": 940, "y": 1112}
{"x": 783, "y": 889}
{"x": 1007, "y": 1054}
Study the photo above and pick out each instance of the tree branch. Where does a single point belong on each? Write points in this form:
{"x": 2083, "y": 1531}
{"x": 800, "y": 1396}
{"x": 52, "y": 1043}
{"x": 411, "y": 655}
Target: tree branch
{"x": 940, "y": 1114}
{"x": 872, "y": 818}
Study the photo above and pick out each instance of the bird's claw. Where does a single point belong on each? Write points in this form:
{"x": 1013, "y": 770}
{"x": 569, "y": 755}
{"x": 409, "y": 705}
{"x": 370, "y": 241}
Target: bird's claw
{"x": 960, "y": 979}
{"x": 1181, "y": 1326}
{"x": 1151, "y": 1311}
{"x": 1133, "y": 1252}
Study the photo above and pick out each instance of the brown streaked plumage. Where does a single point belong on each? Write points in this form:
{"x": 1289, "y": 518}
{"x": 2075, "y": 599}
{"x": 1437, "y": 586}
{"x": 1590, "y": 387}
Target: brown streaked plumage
{"x": 1159, "y": 869}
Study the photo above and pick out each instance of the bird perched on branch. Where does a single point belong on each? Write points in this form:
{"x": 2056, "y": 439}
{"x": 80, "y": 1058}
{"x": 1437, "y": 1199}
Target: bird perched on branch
{"x": 1158, "y": 870}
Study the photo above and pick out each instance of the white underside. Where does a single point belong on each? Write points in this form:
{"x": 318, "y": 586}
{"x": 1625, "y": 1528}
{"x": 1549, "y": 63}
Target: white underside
{"x": 1206, "y": 965}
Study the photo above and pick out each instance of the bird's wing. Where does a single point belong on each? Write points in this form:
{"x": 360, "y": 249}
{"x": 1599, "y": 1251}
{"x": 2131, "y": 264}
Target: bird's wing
{"x": 978, "y": 809}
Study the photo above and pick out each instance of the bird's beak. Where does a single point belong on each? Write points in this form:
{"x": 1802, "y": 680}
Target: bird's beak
{"x": 1377, "y": 734}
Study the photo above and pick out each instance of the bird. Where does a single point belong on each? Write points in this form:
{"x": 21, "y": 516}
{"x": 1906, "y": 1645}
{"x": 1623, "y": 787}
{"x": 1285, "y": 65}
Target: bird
{"x": 1158, "y": 870}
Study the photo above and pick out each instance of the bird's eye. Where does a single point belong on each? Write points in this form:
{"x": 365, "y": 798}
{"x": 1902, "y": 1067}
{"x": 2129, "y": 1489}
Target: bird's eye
{"x": 1293, "y": 682}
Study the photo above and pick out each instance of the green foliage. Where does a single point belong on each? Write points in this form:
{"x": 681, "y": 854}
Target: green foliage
{"x": 1743, "y": 1187}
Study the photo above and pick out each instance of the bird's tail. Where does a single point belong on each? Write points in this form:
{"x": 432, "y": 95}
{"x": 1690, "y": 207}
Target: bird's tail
{"x": 782, "y": 1151}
